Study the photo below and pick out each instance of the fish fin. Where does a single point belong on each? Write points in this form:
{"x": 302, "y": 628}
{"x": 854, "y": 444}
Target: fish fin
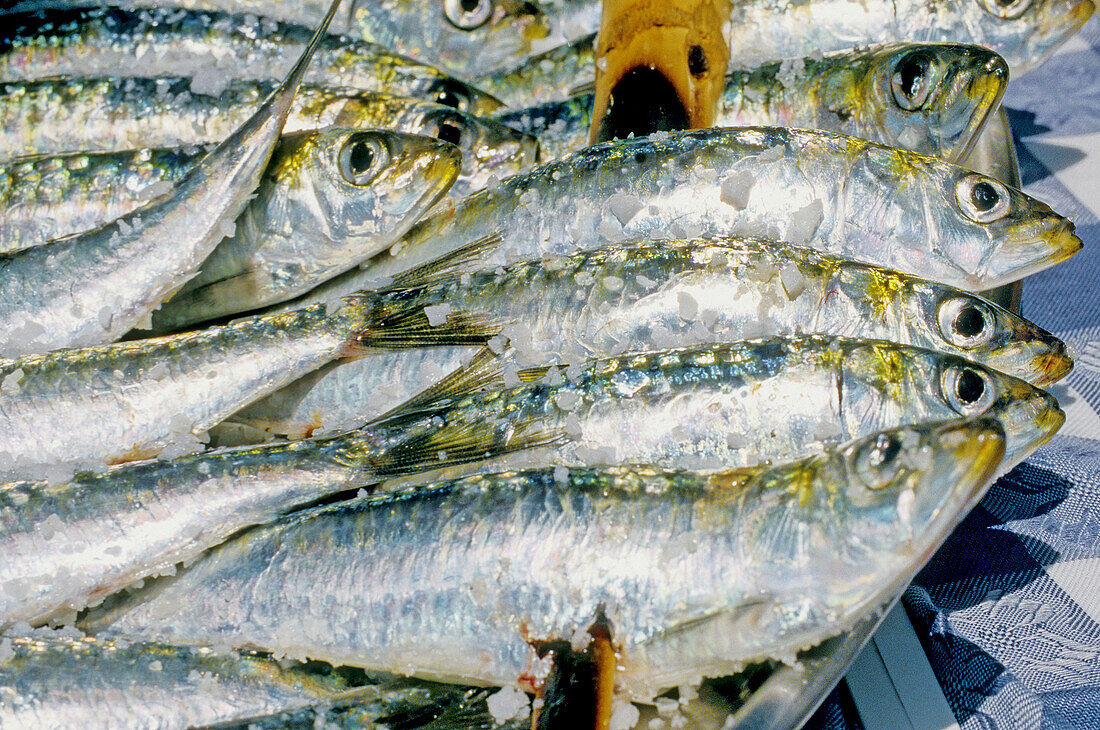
{"x": 481, "y": 373}
{"x": 485, "y": 371}
{"x": 588, "y": 87}
{"x": 458, "y": 443}
{"x": 409, "y": 327}
{"x": 448, "y": 264}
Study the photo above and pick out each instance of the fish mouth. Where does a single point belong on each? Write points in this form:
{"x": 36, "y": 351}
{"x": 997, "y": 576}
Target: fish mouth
{"x": 1056, "y": 241}
{"x": 1052, "y": 365}
{"x": 1049, "y": 422}
{"x": 1030, "y": 422}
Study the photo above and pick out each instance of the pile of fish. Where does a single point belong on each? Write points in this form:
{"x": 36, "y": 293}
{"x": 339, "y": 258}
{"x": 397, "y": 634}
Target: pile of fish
{"x": 342, "y": 384}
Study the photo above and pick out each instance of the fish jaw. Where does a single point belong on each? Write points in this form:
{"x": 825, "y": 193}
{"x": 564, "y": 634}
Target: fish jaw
{"x": 1053, "y": 364}
{"x": 1032, "y": 247}
{"x": 1030, "y": 417}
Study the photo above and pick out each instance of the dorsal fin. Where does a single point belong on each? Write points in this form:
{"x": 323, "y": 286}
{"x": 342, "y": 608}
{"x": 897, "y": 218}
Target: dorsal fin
{"x": 449, "y": 264}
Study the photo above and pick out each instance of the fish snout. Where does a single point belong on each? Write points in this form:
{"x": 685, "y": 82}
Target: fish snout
{"x": 1053, "y": 364}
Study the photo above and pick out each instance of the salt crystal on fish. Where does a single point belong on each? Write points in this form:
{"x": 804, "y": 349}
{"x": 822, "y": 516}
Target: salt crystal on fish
{"x": 10, "y": 385}
{"x": 624, "y": 715}
{"x": 568, "y": 400}
{"x": 437, "y": 314}
{"x": 910, "y": 138}
{"x": 612, "y": 283}
{"x": 735, "y": 189}
{"x": 804, "y": 223}
{"x": 609, "y": 229}
{"x": 793, "y": 281}
{"x": 624, "y": 206}
{"x": 507, "y": 704}
{"x": 689, "y": 308}
{"x": 790, "y": 71}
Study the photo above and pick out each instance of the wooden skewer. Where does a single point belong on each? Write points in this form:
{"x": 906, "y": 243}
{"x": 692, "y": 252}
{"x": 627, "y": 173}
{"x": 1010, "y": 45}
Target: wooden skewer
{"x": 603, "y": 654}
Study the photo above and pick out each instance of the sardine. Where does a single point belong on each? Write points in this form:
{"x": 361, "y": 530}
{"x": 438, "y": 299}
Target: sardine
{"x": 309, "y": 179}
{"x": 641, "y": 295}
{"x": 928, "y": 98}
{"x": 329, "y": 200}
{"x": 92, "y": 287}
{"x": 847, "y": 197}
{"x": 107, "y": 114}
{"x": 714, "y": 406}
{"x": 60, "y": 683}
{"x": 696, "y": 575}
{"x": 134, "y": 400}
{"x": 211, "y": 48}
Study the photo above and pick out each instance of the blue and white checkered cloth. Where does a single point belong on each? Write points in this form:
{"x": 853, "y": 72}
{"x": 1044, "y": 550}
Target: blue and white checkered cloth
{"x": 1009, "y": 609}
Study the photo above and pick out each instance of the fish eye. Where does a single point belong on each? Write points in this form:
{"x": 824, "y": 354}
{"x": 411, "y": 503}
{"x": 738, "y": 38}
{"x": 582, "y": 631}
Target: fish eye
{"x": 468, "y": 14}
{"x": 452, "y": 94}
{"x": 911, "y": 81}
{"x": 446, "y": 127}
{"x": 1006, "y": 9}
{"x": 982, "y": 199}
{"x": 968, "y": 390}
{"x": 877, "y": 463}
{"x": 361, "y": 158}
{"x": 965, "y": 323}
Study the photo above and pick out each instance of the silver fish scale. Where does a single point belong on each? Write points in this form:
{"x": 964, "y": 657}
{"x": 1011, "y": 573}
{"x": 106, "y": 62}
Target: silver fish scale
{"x": 697, "y": 575}
{"x": 74, "y": 544}
{"x": 54, "y": 684}
{"x": 132, "y": 400}
{"x": 50, "y": 197}
{"x": 212, "y": 47}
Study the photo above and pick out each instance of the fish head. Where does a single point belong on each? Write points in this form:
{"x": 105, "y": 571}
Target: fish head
{"x": 1024, "y": 32}
{"x": 472, "y": 38}
{"x": 968, "y": 325}
{"x": 904, "y": 489}
{"x": 993, "y": 233}
{"x": 456, "y": 94}
{"x": 934, "y": 98}
{"x": 349, "y": 188}
{"x": 489, "y": 149}
{"x": 885, "y": 385}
